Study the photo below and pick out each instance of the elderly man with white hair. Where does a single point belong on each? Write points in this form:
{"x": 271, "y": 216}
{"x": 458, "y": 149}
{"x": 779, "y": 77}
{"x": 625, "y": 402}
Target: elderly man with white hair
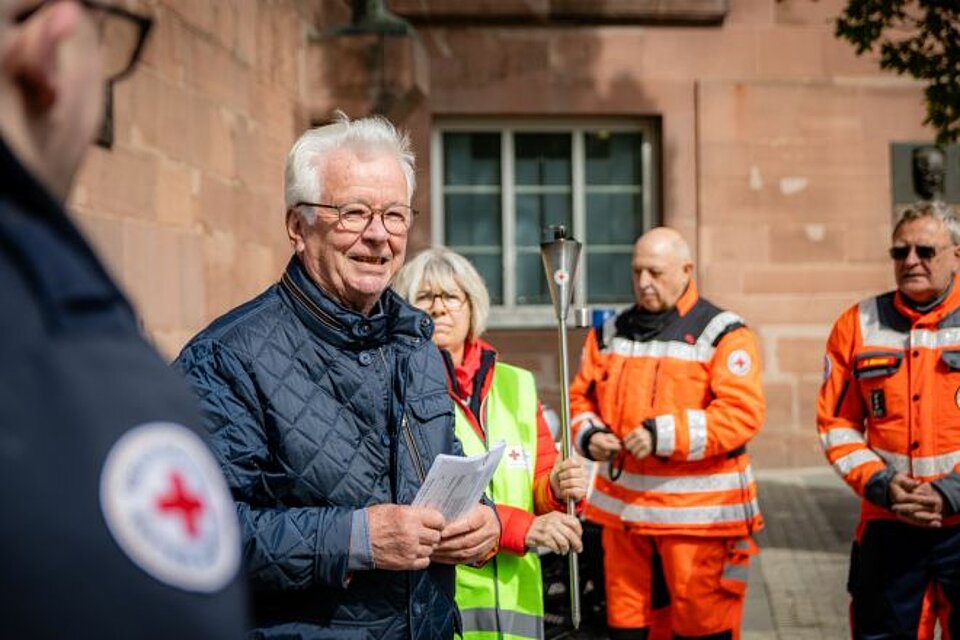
{"x": 326, "y": 403}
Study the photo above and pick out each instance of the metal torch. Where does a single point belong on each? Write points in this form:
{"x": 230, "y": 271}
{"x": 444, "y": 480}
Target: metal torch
{"x": 560, "y": 257}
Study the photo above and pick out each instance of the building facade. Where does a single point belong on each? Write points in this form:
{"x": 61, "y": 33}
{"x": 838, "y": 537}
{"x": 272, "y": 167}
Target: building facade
{"x": 742, "y": 123}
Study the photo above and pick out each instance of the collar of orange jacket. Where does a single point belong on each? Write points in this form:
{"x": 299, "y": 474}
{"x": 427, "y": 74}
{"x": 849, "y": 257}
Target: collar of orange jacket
{"x": 932, "y": 316}
{"x": 688, "y": 298}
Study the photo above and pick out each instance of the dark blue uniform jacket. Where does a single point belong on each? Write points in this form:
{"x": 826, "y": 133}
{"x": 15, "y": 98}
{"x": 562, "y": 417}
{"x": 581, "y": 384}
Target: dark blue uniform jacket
{"x": 75, "y": 375}
{"x": 316, "y": 411}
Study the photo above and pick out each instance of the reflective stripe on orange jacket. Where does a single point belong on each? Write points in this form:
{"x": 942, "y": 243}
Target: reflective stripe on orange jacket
{"x": 698, "y": 378}
{"x": 890, "y": 400}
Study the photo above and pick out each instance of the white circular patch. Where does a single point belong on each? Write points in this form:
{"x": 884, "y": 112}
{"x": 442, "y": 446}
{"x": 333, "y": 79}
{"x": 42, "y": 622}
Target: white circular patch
{"x": 168, "y": 507}
{"x": 560, "y": 276}
{"x": 827, "y": 366}
{"x": 956, "y": 398}
{"x": 739, "y": 363}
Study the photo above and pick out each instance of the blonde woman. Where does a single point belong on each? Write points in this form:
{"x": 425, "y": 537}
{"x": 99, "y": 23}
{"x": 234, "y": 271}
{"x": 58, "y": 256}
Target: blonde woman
{"x": 495, "y": 401}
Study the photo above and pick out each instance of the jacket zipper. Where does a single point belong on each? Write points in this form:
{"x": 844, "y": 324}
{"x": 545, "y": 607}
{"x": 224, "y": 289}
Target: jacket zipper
{"x": 656, "y": 380}
{"x": 412, "y": 448}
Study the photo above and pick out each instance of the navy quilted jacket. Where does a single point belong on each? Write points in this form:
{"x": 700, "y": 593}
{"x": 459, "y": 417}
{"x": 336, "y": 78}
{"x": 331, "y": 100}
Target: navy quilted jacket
{"x": 315, "y": 411}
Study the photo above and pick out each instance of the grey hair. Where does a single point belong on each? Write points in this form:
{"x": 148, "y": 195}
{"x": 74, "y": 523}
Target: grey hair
{"x": 441, "y": 267}
{"x": 302, "y": 173}
{"x": 945, "y": 213}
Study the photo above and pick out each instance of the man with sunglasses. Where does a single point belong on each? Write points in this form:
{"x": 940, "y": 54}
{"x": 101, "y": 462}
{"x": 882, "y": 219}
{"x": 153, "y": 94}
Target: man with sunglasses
{"x": 888, "y": 414}
{"x": 668, "y": 395}
{"x": 116, "y": 520}
{"x": 327, "y": 403}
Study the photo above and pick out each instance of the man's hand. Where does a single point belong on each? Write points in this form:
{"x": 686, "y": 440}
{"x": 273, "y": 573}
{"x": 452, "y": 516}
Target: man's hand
{"x": 603, "y": 446}
{"x": 639, "y": 443}
{"x": 916, "y": 503}
{"x": 568, "y": 480}
{"x": 470, "y": 539}
{"x": 403, "y": 537}
{"x": 556, "y": 531}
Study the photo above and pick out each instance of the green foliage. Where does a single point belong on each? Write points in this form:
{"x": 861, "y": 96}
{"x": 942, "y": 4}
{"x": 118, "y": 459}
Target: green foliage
{"x": 920, "y": 38}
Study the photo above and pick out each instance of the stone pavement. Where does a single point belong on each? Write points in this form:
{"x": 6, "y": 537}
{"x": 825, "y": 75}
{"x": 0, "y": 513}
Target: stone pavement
{"x": 797, "y": 586}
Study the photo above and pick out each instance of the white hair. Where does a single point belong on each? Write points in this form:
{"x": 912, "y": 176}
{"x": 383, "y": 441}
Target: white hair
{"x": 937, "y": 210}
{"x": 302, "y": 174}
{"x": 443, "y": 268}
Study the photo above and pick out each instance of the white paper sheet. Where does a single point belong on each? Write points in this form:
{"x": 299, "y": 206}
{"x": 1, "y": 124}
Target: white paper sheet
{"x": 454, "y": 484}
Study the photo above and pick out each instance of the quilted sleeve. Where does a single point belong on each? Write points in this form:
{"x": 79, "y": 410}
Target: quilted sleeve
{"x": 283, "y": 548}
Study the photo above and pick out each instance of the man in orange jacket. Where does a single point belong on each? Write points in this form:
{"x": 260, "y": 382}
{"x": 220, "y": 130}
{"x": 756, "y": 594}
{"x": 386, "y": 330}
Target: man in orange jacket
{"x": 669, "y": 392}
{"x": 888, "y": 414}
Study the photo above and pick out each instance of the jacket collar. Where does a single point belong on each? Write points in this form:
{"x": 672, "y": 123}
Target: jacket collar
{"x": 391, "y": 317}
{"x": 41, "y": 239}
{"x": 688, "y": 298}
{"x": 932, "y": 316}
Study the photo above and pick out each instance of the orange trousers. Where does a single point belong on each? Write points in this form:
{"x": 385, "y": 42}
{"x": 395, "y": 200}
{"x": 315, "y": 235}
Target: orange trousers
{"x": 935, "y": 607}
{"x": 706, "y": 579}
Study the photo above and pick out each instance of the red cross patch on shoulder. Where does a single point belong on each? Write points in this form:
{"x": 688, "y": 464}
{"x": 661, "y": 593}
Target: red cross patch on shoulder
{"x": 739, "y": 363}
{"x": 168, "y": 508}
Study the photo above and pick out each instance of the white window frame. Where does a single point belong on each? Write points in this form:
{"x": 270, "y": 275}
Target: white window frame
{"x": 511, "y": 315}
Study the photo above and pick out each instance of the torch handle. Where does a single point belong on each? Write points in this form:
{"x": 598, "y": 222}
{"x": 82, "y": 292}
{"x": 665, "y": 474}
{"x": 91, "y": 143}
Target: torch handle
{"x": 567, "y": 452}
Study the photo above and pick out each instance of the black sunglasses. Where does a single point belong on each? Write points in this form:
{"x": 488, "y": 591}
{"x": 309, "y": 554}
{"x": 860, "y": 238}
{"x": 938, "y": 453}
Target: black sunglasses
{"x": 924, "y": 251}
{"x": 128, "y": 35}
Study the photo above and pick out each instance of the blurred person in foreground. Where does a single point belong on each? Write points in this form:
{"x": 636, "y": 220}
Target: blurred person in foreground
{"x": 327, "y": 403}
{"x": 116, "y": 520}
{"x": 888, "y": 415}
{"x": 668, "y": 395}
{"x": 497, "y": 402}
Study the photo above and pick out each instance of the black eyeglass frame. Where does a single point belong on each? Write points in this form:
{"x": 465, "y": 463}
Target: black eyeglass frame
{"x": 924, "y": 251}
{"x": 419, "y": 299}
{"x": 373, "y": 211}
{"x": 143, "y": 23}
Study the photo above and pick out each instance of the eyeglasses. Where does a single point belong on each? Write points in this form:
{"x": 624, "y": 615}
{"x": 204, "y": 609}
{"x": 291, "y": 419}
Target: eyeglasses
{"x": 122, "y": 35}
{"x": 355, "y": 217}
{"x": 924, "y": 251}
{"x": 426, "y": 299}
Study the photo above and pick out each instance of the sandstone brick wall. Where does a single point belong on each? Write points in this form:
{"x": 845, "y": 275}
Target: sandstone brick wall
{"x": 187, "y": 207}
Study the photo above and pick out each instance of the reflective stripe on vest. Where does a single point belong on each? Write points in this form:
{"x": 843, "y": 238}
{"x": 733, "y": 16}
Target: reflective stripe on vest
{"x": 507, "y": 623}
{"x": 701, "y": 351}
{"x": 706, "y": 515}
{"x": 508, "y": 584}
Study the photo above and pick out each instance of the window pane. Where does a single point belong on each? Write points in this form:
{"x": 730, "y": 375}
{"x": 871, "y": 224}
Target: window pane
{"x": 613, "y": 217}
{"x": 531, "y": 282}
{"x": 542, "y": 159}
{"x": 614, "y": 211}
{"x": 471, "y": 159}
{"x": 490, "y": 267}
{"x": 535, "y": 211}
{"x": 609, "y": 276}
{"x": 614, "y": 158}
{"x": 473, "y": 219}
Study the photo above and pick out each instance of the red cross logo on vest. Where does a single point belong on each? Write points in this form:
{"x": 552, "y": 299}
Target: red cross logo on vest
{"x": 514, "y": 455}
{"x": 180, "y": 502}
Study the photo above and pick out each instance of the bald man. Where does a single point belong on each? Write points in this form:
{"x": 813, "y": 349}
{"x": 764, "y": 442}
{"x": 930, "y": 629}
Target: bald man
{"x": 666, "y": 399}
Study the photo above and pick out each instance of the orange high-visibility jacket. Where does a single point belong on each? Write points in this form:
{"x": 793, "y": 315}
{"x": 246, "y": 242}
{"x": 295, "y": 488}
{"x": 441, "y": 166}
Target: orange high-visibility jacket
{"x": 890, "y": 399}
{"x": 697, "y": 382}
